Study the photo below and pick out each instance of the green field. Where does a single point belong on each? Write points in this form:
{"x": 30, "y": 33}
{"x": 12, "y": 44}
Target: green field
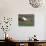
{"x": 26, "y": 23}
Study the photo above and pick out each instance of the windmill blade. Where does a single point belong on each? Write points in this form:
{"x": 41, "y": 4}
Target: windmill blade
{"x": 24, "y": 18}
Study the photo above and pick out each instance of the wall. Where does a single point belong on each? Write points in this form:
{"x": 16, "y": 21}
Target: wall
{"x": 11, "y": 8}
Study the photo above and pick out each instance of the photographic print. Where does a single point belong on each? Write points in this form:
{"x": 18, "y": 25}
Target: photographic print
{"x": 26, "y": 20}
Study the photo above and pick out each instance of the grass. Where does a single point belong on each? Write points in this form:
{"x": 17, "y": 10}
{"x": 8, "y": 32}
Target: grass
{"x": 26, "y": 23}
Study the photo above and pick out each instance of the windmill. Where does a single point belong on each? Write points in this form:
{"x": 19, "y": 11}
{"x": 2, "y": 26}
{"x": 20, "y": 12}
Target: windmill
{"x": 24, "y": 18}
